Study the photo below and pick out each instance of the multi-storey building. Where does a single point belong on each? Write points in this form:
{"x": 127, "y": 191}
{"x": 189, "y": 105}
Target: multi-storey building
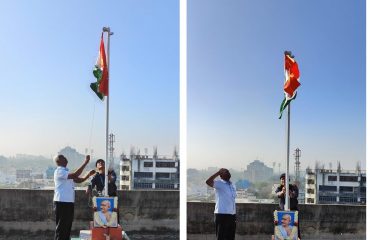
{"x": 151, "y": 173}
{"x": 335, "y": 187}
{"x": 257, "y": 171}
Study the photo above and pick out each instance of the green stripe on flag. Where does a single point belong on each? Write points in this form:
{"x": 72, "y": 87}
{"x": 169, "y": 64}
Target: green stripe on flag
{"x": 284, "y": 104}
{"x": 95, "y": 86}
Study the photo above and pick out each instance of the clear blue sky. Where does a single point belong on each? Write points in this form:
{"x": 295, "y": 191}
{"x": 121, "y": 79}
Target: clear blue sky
{"x": 235, "y": 82}
{"x": 48, "y": 53}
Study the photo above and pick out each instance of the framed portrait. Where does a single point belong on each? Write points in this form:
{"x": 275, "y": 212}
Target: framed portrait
{"x": 105, "y": 211}
{"x": 286, "y": 225}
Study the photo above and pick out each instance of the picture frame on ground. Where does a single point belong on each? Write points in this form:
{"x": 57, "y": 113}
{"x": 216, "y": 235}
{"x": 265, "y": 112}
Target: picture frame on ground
{"x": 105, "y": 211}
{"x": 286, "y": 225}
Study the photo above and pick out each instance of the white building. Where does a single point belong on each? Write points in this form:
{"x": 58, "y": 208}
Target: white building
{"x": 333, "y": 187}
{"x": 151, "y": 173}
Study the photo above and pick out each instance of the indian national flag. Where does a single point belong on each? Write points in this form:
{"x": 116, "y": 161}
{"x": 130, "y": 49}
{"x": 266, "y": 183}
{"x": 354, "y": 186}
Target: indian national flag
{"x": 100, "y": 87}
{"x": 291, "y": 80}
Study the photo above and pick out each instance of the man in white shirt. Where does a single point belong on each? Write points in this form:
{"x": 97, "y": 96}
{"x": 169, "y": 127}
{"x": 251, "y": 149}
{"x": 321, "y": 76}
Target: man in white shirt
{"x": 64, "y": 195}
{"x": 225, "y": 212}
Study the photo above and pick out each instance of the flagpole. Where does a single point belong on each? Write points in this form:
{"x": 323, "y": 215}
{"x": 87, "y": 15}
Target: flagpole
{"x": 287, "y": 198}
{"x": 107, "y": 29}
{"x": 290, "y": 86}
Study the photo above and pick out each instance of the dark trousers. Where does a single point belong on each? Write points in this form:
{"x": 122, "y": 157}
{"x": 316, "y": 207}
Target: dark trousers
{"x": 64, "y": 212}
{"x": 225, "y": 226}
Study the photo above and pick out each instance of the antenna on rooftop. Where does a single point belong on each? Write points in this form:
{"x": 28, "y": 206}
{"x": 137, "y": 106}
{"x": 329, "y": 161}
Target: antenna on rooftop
{"x": 297, "y": 155}
{"x": 111, "y": 141}
{"x": 175, "y": 153}
{"x": 339, "y": 167}
{"x": 132, "y": 152}
{"x": 155, "y": 152}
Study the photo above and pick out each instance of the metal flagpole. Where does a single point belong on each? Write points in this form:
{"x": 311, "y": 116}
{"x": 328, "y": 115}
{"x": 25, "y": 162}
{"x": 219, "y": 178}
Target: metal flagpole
{"x": 107, "y": 29}
{"x": 287, "y": 198}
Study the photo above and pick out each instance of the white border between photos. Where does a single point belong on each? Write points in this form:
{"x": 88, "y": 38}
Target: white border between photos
{"x": 367, "y": 119}
{"x": 183, "y": 117}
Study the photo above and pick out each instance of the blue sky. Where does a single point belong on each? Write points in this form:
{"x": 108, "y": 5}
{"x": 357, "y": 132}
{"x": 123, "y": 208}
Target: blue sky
{"x": 48, "y": 53}
{"x": 235, "y": 82}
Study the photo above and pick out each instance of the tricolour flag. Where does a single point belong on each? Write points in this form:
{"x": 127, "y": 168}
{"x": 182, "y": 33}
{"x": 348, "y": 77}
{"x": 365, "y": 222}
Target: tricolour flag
{"x": 291, "y": 80}
{"x": 100, "y": 87}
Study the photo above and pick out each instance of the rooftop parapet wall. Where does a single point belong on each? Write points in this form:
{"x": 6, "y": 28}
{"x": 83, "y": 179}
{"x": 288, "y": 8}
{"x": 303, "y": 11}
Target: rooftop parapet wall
{"x": 257, "y": 219}
{"x": 28, "y": 214}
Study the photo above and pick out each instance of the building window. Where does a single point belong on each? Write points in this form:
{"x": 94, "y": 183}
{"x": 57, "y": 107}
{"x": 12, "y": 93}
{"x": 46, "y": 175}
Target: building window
{"x": 143, "y": 185}
{"x": 310, "y": 191}
{"x": 165, "y": 164}
{"x": 125, "y": 178}
{"x": 124, "y": 187}
{"x": 327, "y": 198}
{"x": 332, "y": 178}
{"x": 125, "y": 168}
{"x": 164, "y": 186}
{"x": 348, "y": 178}
{"x": 143, "y": 175}
{"x": 148, "y": 164}
{"x": 348, "y": 199}
{"x": 174, "y": 176}
{"x": 310, "y": 181}
{"x": 363, "y": 179}
{"x": 310, "y": 200}
{"x": 327, "y": 188}
{"x": 162, "y": 175}
{"x": 346, "y": 189}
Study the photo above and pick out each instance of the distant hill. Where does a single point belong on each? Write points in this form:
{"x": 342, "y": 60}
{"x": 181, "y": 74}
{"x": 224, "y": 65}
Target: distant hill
{"x": 40, "y": 163}
{"x": 74, "y": 158}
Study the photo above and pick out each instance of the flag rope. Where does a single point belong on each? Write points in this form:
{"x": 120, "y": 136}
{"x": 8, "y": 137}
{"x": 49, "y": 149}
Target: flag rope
{"x": 91, "y": 128}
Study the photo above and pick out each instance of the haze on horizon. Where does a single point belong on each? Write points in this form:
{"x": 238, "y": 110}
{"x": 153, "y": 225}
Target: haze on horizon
{"x": 235, "y": 82}
{"x": 48, "y": 53}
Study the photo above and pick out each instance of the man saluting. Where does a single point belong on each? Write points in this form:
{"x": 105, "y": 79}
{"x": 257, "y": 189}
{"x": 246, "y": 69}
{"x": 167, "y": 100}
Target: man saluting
{"x": 225, "y": 193}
